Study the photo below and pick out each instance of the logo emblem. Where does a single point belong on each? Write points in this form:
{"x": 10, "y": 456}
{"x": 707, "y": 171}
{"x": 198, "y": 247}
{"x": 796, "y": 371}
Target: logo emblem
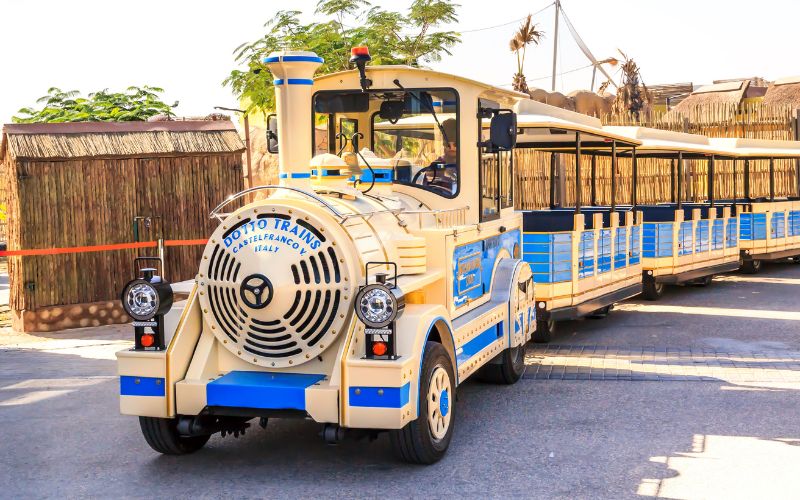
{"x": 256, "y": 291}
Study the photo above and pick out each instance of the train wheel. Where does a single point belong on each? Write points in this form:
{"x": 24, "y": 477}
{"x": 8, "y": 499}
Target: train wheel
{"x": 426, "y": 439}
{"x": 507, "y": 368}
{"x": 703, "y": 282}
{"x": 544, "y": 331}
{"x": 751, "y": 266}
{"x": 601, "y": 313}
{"x": 652, "y": 290}
{"x": 162, "y": 435}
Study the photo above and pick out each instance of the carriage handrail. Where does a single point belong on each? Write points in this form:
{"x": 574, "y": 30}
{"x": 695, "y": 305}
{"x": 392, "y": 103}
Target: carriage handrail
{"x": 234, "y": 197}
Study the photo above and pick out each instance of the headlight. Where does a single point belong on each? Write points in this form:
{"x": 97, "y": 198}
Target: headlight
{"x": 376, "y": 305}
{"x": 143, "y": 300}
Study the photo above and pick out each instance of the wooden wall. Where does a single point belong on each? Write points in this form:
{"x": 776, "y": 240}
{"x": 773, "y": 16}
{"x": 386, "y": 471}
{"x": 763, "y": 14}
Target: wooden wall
{"x": 94, "y": 202}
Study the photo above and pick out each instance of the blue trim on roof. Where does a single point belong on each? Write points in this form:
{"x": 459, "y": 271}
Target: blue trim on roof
{"x": 380, "y": 397}
{"x": 270, "y": 390}
{"x": 141, "y": 386}
{"x": 275, "y": 59}
{"x": 294, "y": 81}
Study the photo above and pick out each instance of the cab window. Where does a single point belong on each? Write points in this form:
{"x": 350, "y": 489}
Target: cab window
{"x": 414, "y": 132}
{"x": 496, "y": 172}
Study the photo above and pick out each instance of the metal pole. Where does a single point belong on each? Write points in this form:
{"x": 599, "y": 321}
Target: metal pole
{"x": 594, "y": 180}
{"x": 672, "y": 180}
{"x": 552, "y": 180}
{"x": 577, "y": 171}
{"x": 711, "y": 180}
{"x": 747, "y": 179}
{"x": 555, "y": 46}
{"x": 735, "y": 188}
{"x": 635, "y": 182}
{"x": 679, "y": 179}
{"x": 613, "y": 176}
{"x": 772, "y": 179}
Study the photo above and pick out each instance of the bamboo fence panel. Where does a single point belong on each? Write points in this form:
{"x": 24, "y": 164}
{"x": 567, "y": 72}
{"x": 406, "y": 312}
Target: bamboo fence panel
{"x": 83, "y": 202}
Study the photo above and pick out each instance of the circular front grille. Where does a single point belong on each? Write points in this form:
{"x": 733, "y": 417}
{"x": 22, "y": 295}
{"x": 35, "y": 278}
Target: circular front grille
{"x": 274, "y": 286}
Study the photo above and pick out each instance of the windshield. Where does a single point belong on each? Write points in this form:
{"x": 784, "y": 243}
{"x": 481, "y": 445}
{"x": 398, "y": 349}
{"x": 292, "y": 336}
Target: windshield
{"x": 411, "y": 135}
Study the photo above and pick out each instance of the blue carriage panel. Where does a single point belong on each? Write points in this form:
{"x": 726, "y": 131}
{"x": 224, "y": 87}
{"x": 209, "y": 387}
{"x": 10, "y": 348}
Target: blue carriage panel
{"x": 778, "y": 225}
{"x": 549, "y": 255}
{"x": 732, "y": 232}
{"x": 604, "y": 251}
{"x": 620, "y": 248}
{"x": 746, "y": 227}
{"x": 649, "y": 239}
{"x": 718, "y": 235}
{"x": 759, "y": 228}
{"x": 794, "y": 223}
{"x": 635, "y": 247}
{"x": 685, "y": 239}
{"x": 701, "y": 240}
{"x": 586, "y": 258}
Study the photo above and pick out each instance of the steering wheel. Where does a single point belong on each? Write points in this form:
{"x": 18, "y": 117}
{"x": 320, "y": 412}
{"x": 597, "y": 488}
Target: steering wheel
{"x": 422, "y": 171}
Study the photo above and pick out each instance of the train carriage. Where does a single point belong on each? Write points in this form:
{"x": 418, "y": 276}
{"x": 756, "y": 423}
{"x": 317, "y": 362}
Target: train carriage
{"x": 769, "y": 224}
{"x": 684, "y": 242}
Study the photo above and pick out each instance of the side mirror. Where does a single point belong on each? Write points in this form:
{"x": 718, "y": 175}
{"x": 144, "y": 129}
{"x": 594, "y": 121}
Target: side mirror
{"x": 391, "y": 111}
{"x": 272, "y": 134}
{"x": 503, "y": 131}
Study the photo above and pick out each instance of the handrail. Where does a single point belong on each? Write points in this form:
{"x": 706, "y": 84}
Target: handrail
{"x": 233, "y": 197}
{"x": 342, "y": 217}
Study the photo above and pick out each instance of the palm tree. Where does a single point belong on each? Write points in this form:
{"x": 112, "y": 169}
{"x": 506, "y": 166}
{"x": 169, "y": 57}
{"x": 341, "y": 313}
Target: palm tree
{"x": 526, "y": 34}
{"x": 632, "y": 95}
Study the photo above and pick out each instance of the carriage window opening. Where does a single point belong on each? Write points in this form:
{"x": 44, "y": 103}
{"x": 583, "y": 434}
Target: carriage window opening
{"x": 415, "y": 133}
{"x": 496, "y": 173}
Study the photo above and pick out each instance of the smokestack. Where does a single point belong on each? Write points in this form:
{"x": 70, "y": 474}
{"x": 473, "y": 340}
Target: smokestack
{"x": 293, "y": 72}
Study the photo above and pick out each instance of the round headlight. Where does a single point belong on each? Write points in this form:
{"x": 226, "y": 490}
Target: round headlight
{"x": 376, "y": 306}
{"x": 144, "y": 300}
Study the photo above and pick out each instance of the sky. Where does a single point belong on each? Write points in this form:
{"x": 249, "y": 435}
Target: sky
{"x": 186, "y": 46}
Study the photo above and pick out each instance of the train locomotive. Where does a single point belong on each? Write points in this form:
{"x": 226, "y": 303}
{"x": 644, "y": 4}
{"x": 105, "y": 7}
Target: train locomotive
{"x": 381, "y": 273}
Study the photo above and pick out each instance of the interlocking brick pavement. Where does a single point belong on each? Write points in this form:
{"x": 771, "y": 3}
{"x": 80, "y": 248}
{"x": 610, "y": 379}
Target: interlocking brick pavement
{"x": 581, "y": 362}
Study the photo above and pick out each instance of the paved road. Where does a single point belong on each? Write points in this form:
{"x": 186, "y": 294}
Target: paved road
{"x": 718, "y": 420}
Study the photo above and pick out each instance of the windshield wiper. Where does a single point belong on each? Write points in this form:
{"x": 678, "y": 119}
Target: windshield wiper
{"x": 429, "y": 106}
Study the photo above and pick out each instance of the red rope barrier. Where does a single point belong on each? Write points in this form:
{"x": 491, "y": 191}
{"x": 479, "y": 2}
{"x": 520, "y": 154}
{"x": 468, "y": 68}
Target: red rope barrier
{"x": 99, "y": 248}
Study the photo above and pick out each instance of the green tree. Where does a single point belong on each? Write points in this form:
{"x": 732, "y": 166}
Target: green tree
{"x": 393, "y": 38}
{"x": 135, "y": 104}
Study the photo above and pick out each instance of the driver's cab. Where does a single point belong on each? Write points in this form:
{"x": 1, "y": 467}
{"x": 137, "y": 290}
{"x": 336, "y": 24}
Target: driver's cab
{"x": 417, "y": 134}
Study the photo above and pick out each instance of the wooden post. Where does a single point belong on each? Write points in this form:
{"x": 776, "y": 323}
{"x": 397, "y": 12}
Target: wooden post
{"x": 735, "y": 188}
{"x": 672, "y": 180}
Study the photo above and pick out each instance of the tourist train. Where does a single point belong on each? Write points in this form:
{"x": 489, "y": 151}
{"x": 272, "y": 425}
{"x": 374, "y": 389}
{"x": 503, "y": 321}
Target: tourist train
{"x": 390, "y": 264}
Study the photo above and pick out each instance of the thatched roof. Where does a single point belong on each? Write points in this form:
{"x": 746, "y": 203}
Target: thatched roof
{"x": 728, "y": 93}
{"x": 784, "y": 92}
{"x": 52, "y": 141}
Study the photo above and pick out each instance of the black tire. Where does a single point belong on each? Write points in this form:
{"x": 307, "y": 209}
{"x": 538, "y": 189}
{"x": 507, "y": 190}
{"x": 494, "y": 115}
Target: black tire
{"x": 601, "y": 313}
{"x": 507, "y": 368}
{"x": 544, "y": 331}
{"x": 651, "y": 290}
{"x": 703, "y": 282}
{"x": 415, "y": 443}
{"x": 162, "y": 435}
{"x": 751, "y": 266}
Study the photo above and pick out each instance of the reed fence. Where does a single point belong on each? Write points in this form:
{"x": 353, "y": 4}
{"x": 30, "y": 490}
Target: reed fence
{"x": 655, "y": 185}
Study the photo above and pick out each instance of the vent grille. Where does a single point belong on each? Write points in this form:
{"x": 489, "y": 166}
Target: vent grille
{"x": 309, "y": 289}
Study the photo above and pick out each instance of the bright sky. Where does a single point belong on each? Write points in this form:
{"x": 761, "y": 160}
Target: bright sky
{"x": 185, "y": 46}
